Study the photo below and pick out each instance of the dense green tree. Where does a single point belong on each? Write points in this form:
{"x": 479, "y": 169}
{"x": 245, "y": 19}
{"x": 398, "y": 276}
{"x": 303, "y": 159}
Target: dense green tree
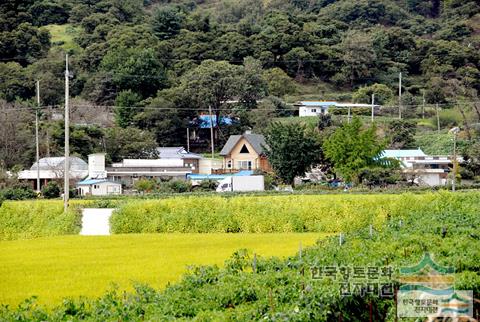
{"x": 253, "y": 86}
{"x": 298, "y": 62}
{"x": 84, "y": 139}
{"x": 135, "y": 69}
{"x": 167, "y": 22}
{"x": 129, "y": 143}
{"x": 402, "y": 134}
{"x": 14, "y": 83}
{"x": 352, "y": 148}
{"x": 383, "y": 94}
{"x": 291, "y": 150}
{"x": 278, "y": 82}
{"x": 357, "y": 68}
{"x": 47, "y": 12}
{"x": 212, "y": 84}
{"x": 24, "y": 44}
{"x": 126, "y": 107}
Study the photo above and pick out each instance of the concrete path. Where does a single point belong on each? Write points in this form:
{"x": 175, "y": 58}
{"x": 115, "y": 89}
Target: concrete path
{"x": 95, "y": 221}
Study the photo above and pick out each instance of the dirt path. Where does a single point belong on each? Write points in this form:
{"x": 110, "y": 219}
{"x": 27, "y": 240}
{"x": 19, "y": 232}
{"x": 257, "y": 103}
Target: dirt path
{"x": 96, "y": 221}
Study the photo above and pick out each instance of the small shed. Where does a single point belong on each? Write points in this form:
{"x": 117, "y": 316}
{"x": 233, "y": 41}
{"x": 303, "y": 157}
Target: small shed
{"x": 99, "y": 187}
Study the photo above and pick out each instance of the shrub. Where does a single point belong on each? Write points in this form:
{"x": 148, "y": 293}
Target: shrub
{"x": 19, "y": 193}
{"x": 180, "y": 186}
{"x": 207, "y": 185}
{"x": 51, "y": 190}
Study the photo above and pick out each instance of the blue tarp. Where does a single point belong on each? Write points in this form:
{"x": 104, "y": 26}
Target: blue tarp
{"x": 204, "y": 121}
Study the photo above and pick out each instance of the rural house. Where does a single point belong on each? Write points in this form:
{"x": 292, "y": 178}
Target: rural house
{"x": 98, "y": 187}
{"x": 245, "y": 152}
{"x": 423, "y": 169}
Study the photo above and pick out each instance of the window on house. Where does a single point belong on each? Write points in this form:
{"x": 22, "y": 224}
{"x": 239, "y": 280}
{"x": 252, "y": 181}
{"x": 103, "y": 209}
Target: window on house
{"x": 244, "y": 149}
{"x": 314, "y": 110}
{"x": 245, "y": 165}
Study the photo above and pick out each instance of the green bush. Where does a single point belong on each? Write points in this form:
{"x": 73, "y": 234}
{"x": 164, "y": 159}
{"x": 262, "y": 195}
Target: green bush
{"x": 51, "y": 190}
{"x": 18, "y": 193}
{"x": 207, "y": 185}
{"x": 180, "y": 186}
{"x": 30, "y": 219}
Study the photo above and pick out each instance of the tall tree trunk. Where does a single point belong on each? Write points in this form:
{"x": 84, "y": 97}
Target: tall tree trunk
{"x": 465, "y": 123}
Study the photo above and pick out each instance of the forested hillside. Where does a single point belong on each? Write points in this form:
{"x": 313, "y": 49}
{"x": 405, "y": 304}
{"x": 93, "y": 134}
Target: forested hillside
{"x": 157, "y": 65}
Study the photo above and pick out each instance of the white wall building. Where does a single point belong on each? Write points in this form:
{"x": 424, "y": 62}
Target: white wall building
{"x": 315, "y": 108}
{"x": 423, "y": 169}
{"x": 99, "y": 187}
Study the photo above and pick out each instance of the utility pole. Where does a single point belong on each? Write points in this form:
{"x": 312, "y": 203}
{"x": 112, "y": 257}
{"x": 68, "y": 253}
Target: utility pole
{"x": 211, "y": 130}
{"x": 373, "y": 106}
{"x": 188, "y": 139}
{"x": 455, "y": 131}
{"x": 423, "y": 105}
{"x": 66, "y": 184}
{"x": 454, "y": 177}
{"x": 400, "y": 96}
{"x": 438, "y": 118}
{"x": 36, "y": 135}
{"x": 349, "y": 114}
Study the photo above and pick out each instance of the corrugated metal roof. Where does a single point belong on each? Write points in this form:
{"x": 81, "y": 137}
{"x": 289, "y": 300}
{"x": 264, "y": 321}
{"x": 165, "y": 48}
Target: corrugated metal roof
{"x": 316, "y": 103}
{"x": 403, "y": 153}
{"x": 257, "y": 141}
{"x": 57, "y": 163}
{"x": 176, "y": 153}
{"x": 88, "y": 182}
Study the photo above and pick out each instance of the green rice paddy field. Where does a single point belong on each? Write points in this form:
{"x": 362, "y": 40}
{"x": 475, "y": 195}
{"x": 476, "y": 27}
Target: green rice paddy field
{"x": 53, "y": 268}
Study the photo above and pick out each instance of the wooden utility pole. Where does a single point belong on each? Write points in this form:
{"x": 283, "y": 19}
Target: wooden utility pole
{"x": 438, "y": 118}
{"x": 423, "y": 105}
{"x": 66, "y": 183}
{"x": 349, "y": 114}
{"x": 188, "y": 139}
{"x": 37, "y": 148}
{"x": 454, "y": 177}
{"x": 400, "y": 96}
{"x": 211, "y": 130}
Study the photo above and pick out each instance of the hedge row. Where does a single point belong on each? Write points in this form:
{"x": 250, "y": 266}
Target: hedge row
{"x": 37, "y": 218}
{"x": 299, "y": 213}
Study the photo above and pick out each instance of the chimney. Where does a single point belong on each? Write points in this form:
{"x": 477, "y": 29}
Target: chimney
{"x": 96, "y": 166}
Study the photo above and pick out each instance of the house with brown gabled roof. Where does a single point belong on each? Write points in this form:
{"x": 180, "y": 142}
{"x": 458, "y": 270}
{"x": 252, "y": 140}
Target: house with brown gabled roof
{"x": 245, "y": 152}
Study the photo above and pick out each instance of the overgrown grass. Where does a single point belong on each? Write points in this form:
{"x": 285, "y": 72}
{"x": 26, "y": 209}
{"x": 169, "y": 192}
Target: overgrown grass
{"x": 73, "y": 266}
{"x": 63, "y": 36}
{"x": 37, "y": 218}
{"x": 438, "y": 143}
{"x": 295, "y": 213}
